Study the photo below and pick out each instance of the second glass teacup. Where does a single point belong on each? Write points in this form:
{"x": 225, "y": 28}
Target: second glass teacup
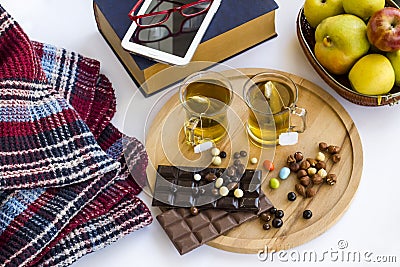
{"x": 271, "y": 98}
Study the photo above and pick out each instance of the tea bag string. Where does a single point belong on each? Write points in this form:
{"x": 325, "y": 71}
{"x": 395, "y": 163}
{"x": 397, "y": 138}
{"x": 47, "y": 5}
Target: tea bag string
{"x": 201, "y": 125}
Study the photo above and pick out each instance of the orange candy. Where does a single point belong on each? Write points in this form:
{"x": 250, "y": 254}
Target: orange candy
{"x": 268, "y": 165}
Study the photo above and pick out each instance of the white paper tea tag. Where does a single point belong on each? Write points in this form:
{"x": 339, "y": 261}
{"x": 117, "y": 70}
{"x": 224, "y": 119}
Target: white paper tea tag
{"x": 203, "y": 147}
{"x": 289, "y": 138}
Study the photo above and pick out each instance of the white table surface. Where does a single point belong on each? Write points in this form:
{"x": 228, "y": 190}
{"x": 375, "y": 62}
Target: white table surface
{"x": 371, "y": 224}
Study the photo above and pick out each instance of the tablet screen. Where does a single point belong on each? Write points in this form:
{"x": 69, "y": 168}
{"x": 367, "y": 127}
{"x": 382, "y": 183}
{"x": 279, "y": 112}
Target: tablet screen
{"x": 175, "y": 35}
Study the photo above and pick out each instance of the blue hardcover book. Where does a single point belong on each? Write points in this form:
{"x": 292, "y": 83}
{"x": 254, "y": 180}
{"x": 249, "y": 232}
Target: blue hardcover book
{"x": 238, "y": 25}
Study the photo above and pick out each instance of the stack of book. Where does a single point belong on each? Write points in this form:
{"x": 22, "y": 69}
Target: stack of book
{"x": 237, "y": 26}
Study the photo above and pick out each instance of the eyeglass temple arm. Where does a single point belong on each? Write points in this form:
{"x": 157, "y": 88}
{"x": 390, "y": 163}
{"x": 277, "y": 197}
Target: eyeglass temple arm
{"x": 131, "y": 14}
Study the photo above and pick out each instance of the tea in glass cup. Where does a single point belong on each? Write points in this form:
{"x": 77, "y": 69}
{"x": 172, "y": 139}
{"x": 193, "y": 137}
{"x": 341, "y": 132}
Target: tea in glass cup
{"x": 271, "y": 98}
{"x": 205, "y": 97}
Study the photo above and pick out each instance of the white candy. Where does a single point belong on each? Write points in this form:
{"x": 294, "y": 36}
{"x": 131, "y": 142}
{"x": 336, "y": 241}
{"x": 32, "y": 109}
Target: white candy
{"x": 223, "y": 191}
{"x": 322, "y": 173}
{"x": 253, "y": 160}
{"x": 216, "y": 160}
{"x": 197, "y": 177}
{"x": 219, "y": 182}
{"x": 320, "y": 156}
{"x": 311, "y": 171}
{"x": 238, "y": 193}
{"x": 215, "y": 151}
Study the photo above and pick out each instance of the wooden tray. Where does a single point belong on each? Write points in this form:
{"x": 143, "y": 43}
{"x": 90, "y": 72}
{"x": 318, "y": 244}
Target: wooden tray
{"x": 327, "y": 121}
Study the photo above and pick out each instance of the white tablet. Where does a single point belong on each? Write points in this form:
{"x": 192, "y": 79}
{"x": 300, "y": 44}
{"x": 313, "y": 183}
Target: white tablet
{"x": 169, "y": 31}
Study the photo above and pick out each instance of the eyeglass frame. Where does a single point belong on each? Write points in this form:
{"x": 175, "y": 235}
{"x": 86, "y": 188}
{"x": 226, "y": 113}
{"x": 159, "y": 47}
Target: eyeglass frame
{"x": 167, "y": 12}
{"x": 170, "y": 33}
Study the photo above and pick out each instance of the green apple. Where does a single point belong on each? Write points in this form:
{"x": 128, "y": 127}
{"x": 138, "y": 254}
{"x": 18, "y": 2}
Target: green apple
{"x": 316, "y": 11}
{"x": 373, "y": 74}
{"x": 363, "y": 8}
{"x": 394, "y": 58}
{"x": 340, "y": 41}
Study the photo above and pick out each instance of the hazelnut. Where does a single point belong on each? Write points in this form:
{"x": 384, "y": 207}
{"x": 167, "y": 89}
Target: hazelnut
{"x": 231, "y": 171}
{"x": 323, "y": 146}
{"x": 301, "y": 190}
{"x": 210, "y": 177}
{"x": 304, "y": 165}
{"x": 336, "y": 158}
{"x": 298, "y": 156}
{"x": 305, "y": 180}
{"x": 331, "y": 179}
{"x": 294, "y": 166}
{"x": 312, "y": 161}
{"x": 333, "y": 149}
{"x": 317, "y": 179}
{"x": 310, "y": 192}
{"x": 290, "y": 159}
{"x": 320, "y": 165}
{"x": 301, "y": 173}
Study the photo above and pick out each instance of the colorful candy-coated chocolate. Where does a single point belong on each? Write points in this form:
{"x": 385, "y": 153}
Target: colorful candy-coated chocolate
{"x": 284, "y": 173}
{"x": 268, "y": 165}
{"x": 274, "y": 183}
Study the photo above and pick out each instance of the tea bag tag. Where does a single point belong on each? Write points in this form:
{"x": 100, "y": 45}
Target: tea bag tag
{"x": 203, "y": 147}
{"x": 288, "y": 138}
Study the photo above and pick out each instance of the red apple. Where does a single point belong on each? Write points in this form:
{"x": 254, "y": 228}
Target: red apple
{"x": 383, "y": 29}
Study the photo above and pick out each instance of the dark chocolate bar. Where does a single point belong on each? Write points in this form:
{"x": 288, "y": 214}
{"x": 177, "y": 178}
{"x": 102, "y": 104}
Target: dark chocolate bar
{"x": 187, "y": 231}
{"x": 176, "y": 187}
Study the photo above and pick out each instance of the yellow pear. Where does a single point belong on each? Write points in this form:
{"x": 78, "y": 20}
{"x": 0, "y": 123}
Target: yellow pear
{"x": 373, "y": 74}
{"x": 316, "y": 11}
{"x": 340, "y": 41}
{"x": 363, "y": 8}
{"x": 394, "y": 58}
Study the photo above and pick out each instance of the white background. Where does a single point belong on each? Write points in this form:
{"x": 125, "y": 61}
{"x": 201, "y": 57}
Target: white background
{"x": 370, "y": 225}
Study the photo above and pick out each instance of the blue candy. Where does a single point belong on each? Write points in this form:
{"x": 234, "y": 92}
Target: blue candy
{"x": 284, "y": 173}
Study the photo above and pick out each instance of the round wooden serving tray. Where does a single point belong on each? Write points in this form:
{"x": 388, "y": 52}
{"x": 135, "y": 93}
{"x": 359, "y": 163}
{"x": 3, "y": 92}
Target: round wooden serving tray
{"x": 327, "y": 121}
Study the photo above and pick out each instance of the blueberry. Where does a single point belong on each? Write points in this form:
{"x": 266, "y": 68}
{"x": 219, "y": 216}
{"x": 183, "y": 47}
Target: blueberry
{"x": 307, "y": 214}
{"x": 277, "y": 222}
{"x": 291, "y": 196}
{"x": 279, "y": 214}
{"x": 222, "y": 154}
{"x": 272, "y": 210}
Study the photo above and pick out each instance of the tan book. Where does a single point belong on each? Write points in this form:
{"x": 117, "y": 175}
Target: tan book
{"x": 237, "y": 26}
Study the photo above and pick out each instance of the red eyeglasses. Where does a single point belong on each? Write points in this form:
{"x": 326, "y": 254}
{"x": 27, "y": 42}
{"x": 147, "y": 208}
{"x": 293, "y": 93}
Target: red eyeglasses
{"x": 159, "y": 17}
{"x": 158, "y": 33}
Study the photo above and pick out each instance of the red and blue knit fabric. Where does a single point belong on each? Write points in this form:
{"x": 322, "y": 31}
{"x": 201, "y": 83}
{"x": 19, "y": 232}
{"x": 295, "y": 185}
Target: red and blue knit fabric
{"x": 67, "y": 188}
{"x": 43, "y": 140}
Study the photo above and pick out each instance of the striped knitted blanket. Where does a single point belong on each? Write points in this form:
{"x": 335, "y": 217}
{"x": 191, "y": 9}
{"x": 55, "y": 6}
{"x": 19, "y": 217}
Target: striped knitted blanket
{"x": 68, "y": 177}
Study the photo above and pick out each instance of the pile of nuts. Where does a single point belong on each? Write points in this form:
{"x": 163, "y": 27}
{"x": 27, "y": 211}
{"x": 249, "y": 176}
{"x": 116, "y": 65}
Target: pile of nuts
{"x": 312, "y": 171}
{"x": 234, "y": 172}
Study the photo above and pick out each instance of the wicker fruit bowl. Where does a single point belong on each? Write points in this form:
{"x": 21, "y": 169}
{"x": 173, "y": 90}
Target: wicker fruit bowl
{"x": 340, "y": 83}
